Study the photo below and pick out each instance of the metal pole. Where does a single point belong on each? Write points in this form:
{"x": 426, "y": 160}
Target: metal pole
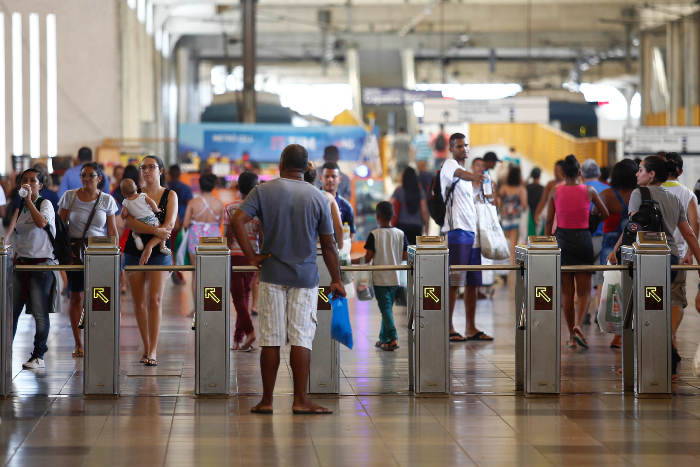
{"x": 249, "y": 103}
{"x": 6, "y": 281}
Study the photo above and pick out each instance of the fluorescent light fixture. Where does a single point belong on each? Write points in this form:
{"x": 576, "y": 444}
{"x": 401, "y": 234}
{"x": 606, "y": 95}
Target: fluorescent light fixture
{"x": 34, "y": 88}
{"x": 159, "y": 39}
{"x": 141, "y": 11}
{"x": 149, "y": 18}
{"x": 636, "y": 106}
{"x": 51, "y": 89}
{"x": 3, "y": 140}
{"x": 419, "y": 109}
{"x": 482, "y": 91}
{"x": 131, "y": 3}
{"x": 166, "y": 44}
{"x": 17, "y": 118}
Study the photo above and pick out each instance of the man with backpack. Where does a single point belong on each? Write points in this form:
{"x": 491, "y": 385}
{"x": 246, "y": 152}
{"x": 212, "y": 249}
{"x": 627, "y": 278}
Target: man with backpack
{"x": 459, "y": 225}
{"x": 439, "y": 144}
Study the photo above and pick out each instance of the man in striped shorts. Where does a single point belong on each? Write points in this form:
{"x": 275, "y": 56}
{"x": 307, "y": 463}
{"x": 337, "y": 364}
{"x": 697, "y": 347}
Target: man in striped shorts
{"x": 293, "y": 215}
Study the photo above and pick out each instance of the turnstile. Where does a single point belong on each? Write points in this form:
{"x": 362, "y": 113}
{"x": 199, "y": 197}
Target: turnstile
{"x": 213, "y": 321}
{"x": 646, "y": 334}
{"x": 101, "y": 320}
{"x": 324, "y": 374}
{"x": 6, "y": 279}
{"x": 428, "y": 317}
{"x": 538, "y": 316}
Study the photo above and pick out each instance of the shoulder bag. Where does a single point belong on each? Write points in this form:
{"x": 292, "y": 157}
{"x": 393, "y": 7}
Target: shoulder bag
{"x": 77, "y": 245}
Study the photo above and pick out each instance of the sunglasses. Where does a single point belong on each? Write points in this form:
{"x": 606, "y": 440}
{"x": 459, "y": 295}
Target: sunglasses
{"x": 148, "y": 168}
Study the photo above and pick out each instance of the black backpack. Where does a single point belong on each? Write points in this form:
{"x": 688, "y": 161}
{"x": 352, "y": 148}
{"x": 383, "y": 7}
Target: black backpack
{"x": 647, "y": 219}
{"x": 437, "y": 205}
{"x": 60, "y": 244}
{"x": 440, "y": 143}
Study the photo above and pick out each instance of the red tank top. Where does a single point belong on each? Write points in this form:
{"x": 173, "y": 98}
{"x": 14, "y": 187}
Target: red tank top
{"x": 573, "y": 207}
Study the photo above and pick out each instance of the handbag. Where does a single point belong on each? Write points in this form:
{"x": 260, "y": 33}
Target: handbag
{"x": 77, "y": 245}
{"x": 491, "y": 237}
{"x": 593, "y": 222}
{"x": 341, "y": 329}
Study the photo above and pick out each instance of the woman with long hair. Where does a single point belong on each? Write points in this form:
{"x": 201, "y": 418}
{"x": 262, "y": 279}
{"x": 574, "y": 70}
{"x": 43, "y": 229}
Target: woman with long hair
{"x": 616, "y": 199}
{"x": 410, "y": 206}
{"x": 147, "y": 287}
{"x": 571, "y": 202}
{"x": 513, "y": 200}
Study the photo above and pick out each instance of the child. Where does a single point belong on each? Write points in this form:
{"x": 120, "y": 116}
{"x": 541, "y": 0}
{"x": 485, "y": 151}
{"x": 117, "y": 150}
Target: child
{"x": 143, "y": 209}
{"x": 242, "y": 282}
{"x": 386, "y": 245}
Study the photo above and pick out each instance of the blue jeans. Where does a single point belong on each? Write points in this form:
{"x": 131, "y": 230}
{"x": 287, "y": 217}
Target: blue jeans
{"x": 40, "y": 284}
{"x": 385, "y": 298}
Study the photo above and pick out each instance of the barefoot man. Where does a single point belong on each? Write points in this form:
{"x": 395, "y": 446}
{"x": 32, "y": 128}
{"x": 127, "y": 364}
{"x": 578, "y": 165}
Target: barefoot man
{"x": 293, "y": 216}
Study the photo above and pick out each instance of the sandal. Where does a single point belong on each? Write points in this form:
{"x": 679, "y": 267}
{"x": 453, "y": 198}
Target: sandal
{"x": 578, "y": 337}
{"x": 314, "y": 411}
{"x": 379, "y": 345}
{"x": 144, "y": 359}
{"x": 152, "y": 362}
{"x": 457, "y": 337}
{"x": 78, "y": 353}
{"x": 480, "y": 336}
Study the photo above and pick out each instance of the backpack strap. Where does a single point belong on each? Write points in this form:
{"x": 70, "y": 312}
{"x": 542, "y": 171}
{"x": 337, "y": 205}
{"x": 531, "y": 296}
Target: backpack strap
{"x": 645, "y": 192}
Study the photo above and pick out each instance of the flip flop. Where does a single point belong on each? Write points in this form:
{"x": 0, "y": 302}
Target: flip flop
{"x": 573, "y": 344}
{"x": 152, "y": 362}
{"x": 260, "y": 411}
{"x": 144, "y": 359}
{"x": 477, "y": 337}
{"x": 390, "y": 348}
{"x": 580, "y": 341}
{"x": 615, "y": 346}
{"x": 457, "y": 337}
{"x": 312, "y": 411}
{"x": 379, "y": 345}
{"x": 77, "y": 353}
{"x": 250, "y": 348}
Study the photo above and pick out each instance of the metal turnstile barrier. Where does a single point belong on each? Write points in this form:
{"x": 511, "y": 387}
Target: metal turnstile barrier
{"x": 538, "y": 316}
{"x": 213, "y": 318}
{"x": 646, "y": 335}
{"x": 324, "y": 372}
{"x": 6, "y": 280}
{"x": 101, "y": 316}
{"x": 428, "y": 317}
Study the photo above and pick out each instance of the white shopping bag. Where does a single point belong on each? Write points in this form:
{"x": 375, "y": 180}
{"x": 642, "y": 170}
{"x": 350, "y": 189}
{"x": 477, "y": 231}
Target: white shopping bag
{"x": 610, "y": 308}
{"x": 181, "y": 252}
{"x": 491, "y": 237}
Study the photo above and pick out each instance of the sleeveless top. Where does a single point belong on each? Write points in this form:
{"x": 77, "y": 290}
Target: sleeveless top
{"x": 616, "y": 222}
{"x": 511, "y": 208}
{"x": 130, "y": 247}
{"x": 572, "y": 206}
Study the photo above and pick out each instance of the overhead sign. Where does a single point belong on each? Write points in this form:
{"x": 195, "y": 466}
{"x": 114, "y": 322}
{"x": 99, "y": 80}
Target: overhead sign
{"x": 509, "y": 110}
{"x": 647, "y": 140}
{"x": 264, "y": 143}
{"x": 396, "y": 96}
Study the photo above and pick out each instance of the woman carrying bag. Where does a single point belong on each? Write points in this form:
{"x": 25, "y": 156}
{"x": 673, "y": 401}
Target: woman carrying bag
{"x": 33, "y": 289}
{"x": 86, "y": 211}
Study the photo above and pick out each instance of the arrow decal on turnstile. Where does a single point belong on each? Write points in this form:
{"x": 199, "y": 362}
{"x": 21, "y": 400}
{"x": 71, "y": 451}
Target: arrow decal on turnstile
{"x": 210, "y": 292}
{"x": 541, "y": 292}
{"x": 428, "y": 293}
{"x": 322, "y": 295}
{"x": 650, "y": 292}
{"x": 99, "y": 293}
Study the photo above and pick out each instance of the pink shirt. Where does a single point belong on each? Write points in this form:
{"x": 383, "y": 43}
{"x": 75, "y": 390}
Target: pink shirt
{"x": 252, "y": 228}
{"x": 572, "y": 206}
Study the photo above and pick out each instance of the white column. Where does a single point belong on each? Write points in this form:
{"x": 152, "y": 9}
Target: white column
{"x": 51, "y": 89}
{"x": 17, "y": 114}
{"x": 3, "y": 139}
{"x": 34, "y": 88}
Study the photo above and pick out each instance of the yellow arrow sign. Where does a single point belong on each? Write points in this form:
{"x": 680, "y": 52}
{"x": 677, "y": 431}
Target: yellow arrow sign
{"x": 428, "y": 293}
{"x": 541, "y": 292}
{"x": 210, "y": 292}
{"x": 323, "y": 296}
{"x": 651, "y": 292}
{"x": 100, "y": 293}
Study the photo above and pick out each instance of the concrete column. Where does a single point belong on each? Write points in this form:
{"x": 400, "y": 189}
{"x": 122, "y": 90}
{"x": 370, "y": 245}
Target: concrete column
{"x": 690, "y": 54}
{"x": 248, "y": 27}
{"x": 409, "y": 82}
{"x": 646, "y": 54}
{"x": 352, "y": 63}
{"x": 674, "y": 70}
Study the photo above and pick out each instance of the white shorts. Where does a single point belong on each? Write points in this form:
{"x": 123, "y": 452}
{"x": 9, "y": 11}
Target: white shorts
{"x": 287, "y": 314}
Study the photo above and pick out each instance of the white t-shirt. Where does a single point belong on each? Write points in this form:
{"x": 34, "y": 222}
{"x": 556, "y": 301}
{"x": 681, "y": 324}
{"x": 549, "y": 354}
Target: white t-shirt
{"x": 689, "y": 201}
{"x": 80, "y": 212}
{"x": 461, "y": 212}
{"x": 3, "y": 200}
{"x": 139, "y": 208}
{"x": 34, "y": 242}
{"x": 388, "y": 245}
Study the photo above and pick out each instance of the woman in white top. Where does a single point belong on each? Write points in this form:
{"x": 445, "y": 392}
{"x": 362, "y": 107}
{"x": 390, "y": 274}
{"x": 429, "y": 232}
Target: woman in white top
{"x": 33, "y": 247}
{"x": 74, "y": 208}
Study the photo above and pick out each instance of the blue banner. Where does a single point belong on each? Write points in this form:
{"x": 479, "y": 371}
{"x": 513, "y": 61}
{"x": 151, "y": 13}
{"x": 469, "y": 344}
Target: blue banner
{"x": 265, "y": 142}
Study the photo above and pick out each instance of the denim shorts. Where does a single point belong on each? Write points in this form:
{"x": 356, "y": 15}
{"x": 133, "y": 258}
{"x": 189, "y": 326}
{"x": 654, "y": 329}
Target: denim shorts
{"x": 156, "y": 259}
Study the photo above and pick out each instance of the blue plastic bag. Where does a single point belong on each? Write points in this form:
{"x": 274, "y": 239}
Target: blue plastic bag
{"x": 341, "y": 330}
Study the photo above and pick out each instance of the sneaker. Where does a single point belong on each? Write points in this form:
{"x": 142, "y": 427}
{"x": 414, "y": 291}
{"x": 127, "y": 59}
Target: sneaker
{"x": 33, "y": 363}
{"x": 166, "y": 251}
{"x": 139, "y": 243}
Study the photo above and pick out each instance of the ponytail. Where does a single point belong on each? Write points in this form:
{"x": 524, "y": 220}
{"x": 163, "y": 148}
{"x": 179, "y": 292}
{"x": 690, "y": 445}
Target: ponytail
{"x": 570, "y": 167}
{"x": 661, "y": 167}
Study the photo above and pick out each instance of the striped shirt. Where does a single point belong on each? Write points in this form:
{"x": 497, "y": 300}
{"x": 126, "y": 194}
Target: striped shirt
{"x": 461, "y": 212}
{"x": 252, "y": 228}
{"x": 422, "y": 147}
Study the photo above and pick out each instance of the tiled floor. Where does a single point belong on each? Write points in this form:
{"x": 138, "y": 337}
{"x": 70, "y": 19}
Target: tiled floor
{"x": 376, "y": 420}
